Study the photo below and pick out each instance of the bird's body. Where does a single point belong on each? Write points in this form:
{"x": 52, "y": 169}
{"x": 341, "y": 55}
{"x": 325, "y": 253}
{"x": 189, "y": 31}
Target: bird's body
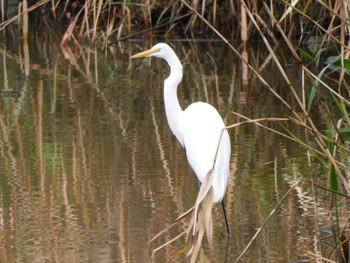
{"x": 197, "y": 128}
{"x": 203, "y": 129}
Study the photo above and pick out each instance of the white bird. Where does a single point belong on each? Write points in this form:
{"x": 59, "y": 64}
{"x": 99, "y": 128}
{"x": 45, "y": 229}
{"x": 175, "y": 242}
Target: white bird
{"x": 197, "y": 128}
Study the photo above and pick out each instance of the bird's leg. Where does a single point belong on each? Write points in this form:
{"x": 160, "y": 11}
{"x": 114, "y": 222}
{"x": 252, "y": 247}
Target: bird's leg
{"x": 224, "y": 210}
{"x": 226, "y": 221}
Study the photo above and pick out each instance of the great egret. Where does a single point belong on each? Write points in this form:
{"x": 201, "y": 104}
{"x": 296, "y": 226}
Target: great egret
{"x": 197, "y": 128}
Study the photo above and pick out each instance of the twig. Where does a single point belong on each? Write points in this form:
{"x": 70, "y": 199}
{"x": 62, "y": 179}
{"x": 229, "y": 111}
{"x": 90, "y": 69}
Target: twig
{"x": 240, "y": 123}
{"x": 327, "y": 189}
{"x": 148, "y": 30}
{"x": 319, "y": 257}
{"x": 267, "y": 219}
{"x": 172, "y": 224}
{"x": 14, "y": 18}
{"x": 167, "y": 243}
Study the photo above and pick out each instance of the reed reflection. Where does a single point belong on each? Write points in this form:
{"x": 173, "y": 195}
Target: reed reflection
{"x": 90, "y": 170}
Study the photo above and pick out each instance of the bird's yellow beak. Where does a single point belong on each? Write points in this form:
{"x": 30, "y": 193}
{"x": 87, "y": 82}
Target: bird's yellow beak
{"x": 144, "y": 53}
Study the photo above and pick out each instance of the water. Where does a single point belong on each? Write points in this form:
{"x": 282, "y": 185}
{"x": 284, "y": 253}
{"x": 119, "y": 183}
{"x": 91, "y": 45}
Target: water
{"x": 90, "y": 170}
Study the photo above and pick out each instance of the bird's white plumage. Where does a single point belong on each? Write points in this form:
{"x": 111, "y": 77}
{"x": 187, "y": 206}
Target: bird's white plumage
{"x": 197, "y": 128}
{"x": 203, "y": 126}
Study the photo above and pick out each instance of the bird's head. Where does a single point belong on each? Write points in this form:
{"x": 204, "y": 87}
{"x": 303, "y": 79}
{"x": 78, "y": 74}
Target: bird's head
{"x": 160, "y": 50}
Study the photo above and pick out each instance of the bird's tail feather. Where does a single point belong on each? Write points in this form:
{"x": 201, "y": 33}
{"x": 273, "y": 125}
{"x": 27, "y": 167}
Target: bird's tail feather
{"x": 202, "y": 194}
{"x": 201, "y": 220}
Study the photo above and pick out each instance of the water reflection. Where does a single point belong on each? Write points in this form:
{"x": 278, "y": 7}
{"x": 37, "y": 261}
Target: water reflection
{"x": 90, "y": 170}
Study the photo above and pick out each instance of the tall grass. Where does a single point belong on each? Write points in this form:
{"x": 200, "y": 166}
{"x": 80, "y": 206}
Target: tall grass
{"x": 106, "y": 21}
{"x": 329, "y": 146}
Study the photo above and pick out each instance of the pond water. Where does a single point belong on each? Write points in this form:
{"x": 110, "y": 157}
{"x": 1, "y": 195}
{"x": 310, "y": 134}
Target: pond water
{"x": 90, "y": 170}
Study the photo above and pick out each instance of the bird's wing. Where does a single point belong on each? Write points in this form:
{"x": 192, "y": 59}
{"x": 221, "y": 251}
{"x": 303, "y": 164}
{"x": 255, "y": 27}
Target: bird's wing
{"x": 203, "y": 126}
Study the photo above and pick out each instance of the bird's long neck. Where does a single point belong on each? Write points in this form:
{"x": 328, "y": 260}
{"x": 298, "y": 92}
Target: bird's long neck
{"x": 172, "y": 106}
